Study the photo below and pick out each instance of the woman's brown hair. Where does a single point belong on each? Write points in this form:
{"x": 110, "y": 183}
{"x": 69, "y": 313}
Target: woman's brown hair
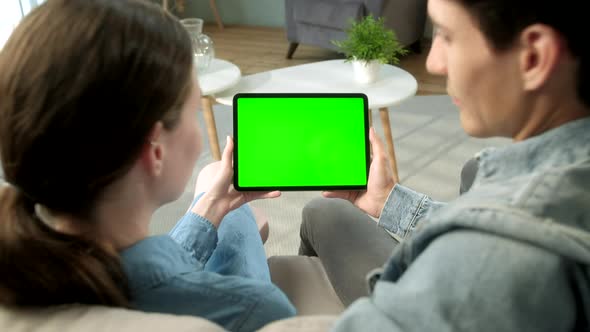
{"x": 82, "y": 83}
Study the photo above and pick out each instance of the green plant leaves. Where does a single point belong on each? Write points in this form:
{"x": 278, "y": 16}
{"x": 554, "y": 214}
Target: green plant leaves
{"x": 369, "y": 39}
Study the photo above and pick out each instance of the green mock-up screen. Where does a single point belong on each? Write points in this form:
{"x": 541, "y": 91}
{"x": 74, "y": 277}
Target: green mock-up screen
{"x": 300, "y": 141}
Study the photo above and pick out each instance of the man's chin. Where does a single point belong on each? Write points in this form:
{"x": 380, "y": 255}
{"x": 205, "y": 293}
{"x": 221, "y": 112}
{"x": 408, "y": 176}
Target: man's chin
{"x": 474, "y": 129}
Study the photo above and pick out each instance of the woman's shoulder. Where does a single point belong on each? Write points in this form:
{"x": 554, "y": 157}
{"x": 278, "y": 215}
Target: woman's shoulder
{"x": 231, "y": 301}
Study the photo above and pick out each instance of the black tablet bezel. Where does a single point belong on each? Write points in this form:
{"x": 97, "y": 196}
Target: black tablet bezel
{"x": 299, "y": 95}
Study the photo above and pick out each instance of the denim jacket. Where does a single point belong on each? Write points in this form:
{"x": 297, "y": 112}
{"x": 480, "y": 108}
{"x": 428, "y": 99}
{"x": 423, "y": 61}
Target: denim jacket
{"x": 511, "y": 254}
{"x": 169, "y": 274}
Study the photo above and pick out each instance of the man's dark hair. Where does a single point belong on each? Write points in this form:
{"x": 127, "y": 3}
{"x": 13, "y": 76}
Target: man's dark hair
{"x": 501, "y": 21}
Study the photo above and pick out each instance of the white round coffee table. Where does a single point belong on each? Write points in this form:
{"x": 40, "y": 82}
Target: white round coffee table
{"x": 219, "y": 76}
{"x": 393, "y": 86}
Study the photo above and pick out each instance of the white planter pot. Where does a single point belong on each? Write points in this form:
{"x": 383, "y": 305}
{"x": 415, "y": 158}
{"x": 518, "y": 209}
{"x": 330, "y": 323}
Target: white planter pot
{"x": 366, "y": 72}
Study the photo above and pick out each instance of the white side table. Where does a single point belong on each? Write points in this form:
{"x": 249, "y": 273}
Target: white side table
{"x": 393, "y": 86}
{"x": 220, "y": 75}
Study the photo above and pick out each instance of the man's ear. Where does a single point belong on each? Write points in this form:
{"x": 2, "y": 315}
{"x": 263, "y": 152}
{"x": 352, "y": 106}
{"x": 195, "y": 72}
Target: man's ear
{"x": 152, "y": 156}
{"x": 541, "y": 50}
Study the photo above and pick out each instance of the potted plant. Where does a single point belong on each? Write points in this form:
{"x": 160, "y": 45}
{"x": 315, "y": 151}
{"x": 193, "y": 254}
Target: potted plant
{"x": 369, "y": 44}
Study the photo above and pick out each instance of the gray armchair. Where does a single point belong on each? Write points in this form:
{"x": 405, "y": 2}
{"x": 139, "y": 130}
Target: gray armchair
{"x": 318, "y": 22}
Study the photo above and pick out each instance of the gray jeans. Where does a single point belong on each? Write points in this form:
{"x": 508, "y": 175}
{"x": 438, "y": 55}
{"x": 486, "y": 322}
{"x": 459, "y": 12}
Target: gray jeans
{"x": 349, "y": 243}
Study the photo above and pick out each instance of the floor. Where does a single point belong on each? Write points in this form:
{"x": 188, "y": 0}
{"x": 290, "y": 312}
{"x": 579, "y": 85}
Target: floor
{"x": 430, "y": 144}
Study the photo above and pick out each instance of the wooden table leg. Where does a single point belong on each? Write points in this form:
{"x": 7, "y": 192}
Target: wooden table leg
{"x": 384, "y": 112}
{"x": 211, "y": 128}
{"x": 216, "y": 13}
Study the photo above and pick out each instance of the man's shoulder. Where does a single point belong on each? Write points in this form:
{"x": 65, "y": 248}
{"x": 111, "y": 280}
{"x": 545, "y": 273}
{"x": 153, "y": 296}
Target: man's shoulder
{"x": 559, "y": 194}
{"x": 463, "y": 278}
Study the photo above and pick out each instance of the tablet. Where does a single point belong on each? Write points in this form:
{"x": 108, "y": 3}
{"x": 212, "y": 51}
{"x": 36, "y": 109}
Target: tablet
{"x": 300, "y": 141}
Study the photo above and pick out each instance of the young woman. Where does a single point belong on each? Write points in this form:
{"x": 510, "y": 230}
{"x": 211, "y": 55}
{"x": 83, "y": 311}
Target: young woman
{"x": 97, "y": 130}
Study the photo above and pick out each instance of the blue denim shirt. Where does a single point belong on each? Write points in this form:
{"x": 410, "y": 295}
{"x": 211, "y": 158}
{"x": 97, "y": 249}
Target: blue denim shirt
{"x": 511, "y": 254}
{"x": 193, "y": 272}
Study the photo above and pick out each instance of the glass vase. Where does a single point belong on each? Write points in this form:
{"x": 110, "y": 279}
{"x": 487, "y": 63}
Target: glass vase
{"x": 203, "y": 51}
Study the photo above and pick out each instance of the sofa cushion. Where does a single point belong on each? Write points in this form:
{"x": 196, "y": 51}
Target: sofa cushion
{"x": 96, "y": 318}
{"x": 306, "y": 284}
{"x": 328, "y": 14}
{"x": 320, "y": 323}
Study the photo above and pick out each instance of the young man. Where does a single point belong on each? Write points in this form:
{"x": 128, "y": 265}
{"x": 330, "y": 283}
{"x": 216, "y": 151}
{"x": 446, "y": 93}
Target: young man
{"x": 512, "y": 253}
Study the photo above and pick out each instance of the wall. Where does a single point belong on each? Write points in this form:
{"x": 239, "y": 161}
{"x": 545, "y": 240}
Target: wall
{"x": 428, "y": 29}
{"x": 269, "y": 13}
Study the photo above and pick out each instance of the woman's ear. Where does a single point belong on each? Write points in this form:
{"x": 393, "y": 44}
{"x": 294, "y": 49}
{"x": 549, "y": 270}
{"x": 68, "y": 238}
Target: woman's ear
{"x": 541, "y": 51}
{"x": 152, "y": 156}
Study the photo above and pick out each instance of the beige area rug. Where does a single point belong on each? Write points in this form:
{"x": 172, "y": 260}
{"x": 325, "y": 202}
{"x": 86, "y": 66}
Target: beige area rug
{"x": 430, "y": 146}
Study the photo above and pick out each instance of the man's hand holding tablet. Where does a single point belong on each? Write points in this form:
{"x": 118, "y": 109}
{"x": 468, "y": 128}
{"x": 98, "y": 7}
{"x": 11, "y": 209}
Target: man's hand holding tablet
{"x": 381, "y": 182}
